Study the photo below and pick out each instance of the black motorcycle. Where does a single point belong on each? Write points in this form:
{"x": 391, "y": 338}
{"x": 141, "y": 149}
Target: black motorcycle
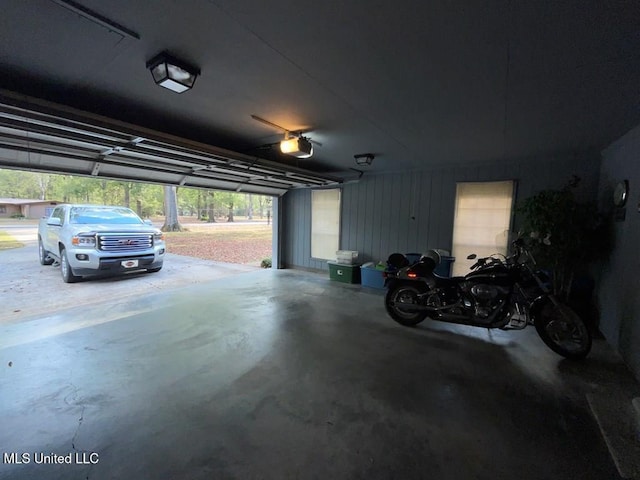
{"x": 499, "y": 292}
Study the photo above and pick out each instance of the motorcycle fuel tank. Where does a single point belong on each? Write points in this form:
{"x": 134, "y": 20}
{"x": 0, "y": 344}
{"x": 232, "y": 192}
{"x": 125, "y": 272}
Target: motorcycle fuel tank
{"x": 497, "y": 275}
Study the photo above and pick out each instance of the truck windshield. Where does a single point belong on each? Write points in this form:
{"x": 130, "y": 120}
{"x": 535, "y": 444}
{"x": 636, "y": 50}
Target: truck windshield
{"x": 104, "y": 215}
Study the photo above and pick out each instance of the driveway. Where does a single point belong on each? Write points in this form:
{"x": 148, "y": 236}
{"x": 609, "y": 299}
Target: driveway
{"x": 28, "y": 288}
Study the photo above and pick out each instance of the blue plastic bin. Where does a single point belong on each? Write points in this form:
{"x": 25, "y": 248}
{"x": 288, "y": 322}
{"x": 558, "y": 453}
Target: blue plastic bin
{"x": 444, "y": 268}
{"x": 413, "y": 257}
{"x": 371, "y": 277}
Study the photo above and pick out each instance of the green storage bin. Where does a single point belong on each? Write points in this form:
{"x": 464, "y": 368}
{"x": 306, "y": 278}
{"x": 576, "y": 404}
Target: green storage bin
{"x": 344, "y": 273}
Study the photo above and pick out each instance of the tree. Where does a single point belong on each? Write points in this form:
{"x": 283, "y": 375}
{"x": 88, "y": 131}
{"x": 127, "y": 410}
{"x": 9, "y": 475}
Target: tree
{"x": 250, "y": 207}
{"x": 261, "y": 205}
{"x": 44, "y": 181}
{"x": 151, "y": 199}
{"x": 230, "y": 214}
{"x": 210, "y": 206}
{"x": 127, "y": 193}
{"x": 228, "y": 200}
{"x": 147, "y": 199}
{"x": 18, "y": 184}
{"x": 171, "y": 223}
{"x": 267, "y": 202}
{"x": 78, "y": 189}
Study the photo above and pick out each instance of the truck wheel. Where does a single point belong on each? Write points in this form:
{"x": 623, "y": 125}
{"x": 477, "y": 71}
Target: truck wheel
{"x": 43, "y": 254}
{"x": 65, "y": 268}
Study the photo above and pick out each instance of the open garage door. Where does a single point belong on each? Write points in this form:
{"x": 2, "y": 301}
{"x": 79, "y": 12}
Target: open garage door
{"x": 41, "y": 136}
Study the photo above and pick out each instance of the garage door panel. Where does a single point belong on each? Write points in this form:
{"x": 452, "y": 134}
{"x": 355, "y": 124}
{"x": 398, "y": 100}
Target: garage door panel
{"x": 41, "y": 136}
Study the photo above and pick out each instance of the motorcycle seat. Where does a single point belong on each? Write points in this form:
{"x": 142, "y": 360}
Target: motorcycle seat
{"x": 397, "y": 260}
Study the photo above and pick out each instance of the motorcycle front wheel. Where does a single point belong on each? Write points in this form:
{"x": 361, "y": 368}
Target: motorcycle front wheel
{"x": 404, "y": 295}
{"x": 563, "y": 331}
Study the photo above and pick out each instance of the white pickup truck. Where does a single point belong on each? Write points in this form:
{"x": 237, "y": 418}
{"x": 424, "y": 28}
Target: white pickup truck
{"x": 91, "y": 240}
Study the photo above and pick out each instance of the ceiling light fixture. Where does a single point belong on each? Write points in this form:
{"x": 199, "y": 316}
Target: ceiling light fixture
{"x": 364, "y": 159}
{"x": 298, "y": 147}
{"x": 171, "y": 73}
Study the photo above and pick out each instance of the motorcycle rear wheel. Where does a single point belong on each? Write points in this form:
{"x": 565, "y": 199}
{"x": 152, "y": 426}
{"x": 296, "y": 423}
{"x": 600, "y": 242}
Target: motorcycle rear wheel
{"x": 563, "y": 331}
{"x": 408, "y": 295}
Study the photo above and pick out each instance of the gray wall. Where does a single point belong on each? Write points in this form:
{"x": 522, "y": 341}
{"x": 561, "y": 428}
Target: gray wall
{"x": 618, "y": 294}
{"x": 413, "y": 211}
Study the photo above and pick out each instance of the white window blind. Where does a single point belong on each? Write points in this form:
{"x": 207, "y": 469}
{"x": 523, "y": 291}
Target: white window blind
{"x": 482, "y": 220}
{"x": 325, "y": 223}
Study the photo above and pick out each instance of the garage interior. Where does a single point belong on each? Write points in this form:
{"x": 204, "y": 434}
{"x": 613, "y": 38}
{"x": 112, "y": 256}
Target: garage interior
{"x": 282, "y": 373}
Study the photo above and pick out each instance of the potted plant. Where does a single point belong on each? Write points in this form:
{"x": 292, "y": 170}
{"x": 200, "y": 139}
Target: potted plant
{"x": 566, "y": 235}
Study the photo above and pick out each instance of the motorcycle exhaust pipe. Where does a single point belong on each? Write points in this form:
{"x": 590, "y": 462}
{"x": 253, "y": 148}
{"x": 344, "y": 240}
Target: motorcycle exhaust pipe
{"x": 443, "y": 317}
{"x": 414, "y": 307}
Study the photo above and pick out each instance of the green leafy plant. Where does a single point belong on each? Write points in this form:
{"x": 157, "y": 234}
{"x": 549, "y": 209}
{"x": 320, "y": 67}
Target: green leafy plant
{"x": 266, "y": 263}
{"x": 565, "y": 235}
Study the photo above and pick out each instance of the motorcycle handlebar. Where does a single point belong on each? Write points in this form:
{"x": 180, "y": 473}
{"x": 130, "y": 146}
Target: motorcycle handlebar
{"x": 519, "y": 248}
{"x": 481, "y": 262}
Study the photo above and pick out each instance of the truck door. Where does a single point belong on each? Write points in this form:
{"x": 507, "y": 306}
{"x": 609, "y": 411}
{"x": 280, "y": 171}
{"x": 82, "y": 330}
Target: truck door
{"x": 53, "y": 231}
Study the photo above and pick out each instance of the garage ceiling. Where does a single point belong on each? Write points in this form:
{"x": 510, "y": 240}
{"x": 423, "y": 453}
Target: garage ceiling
{"x": 418, "y": 84}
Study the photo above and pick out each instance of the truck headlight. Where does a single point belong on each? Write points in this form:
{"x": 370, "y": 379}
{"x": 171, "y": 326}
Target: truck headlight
{"x": 158, "y": 237}
{"x": 83, "y": 241}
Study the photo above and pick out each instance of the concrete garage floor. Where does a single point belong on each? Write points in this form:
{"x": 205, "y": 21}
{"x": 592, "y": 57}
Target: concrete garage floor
{"x": 285, "y": 375}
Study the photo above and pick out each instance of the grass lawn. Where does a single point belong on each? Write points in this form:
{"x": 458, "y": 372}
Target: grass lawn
{"x": 7, "y": 241}
{"x": 19, "y": 221}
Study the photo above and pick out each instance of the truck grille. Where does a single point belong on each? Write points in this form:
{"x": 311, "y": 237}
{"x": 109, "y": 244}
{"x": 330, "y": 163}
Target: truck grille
{"x": 125, "y": 242}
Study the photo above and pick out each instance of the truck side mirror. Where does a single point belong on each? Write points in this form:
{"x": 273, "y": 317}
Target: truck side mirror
{"x": 55, "y": 222}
